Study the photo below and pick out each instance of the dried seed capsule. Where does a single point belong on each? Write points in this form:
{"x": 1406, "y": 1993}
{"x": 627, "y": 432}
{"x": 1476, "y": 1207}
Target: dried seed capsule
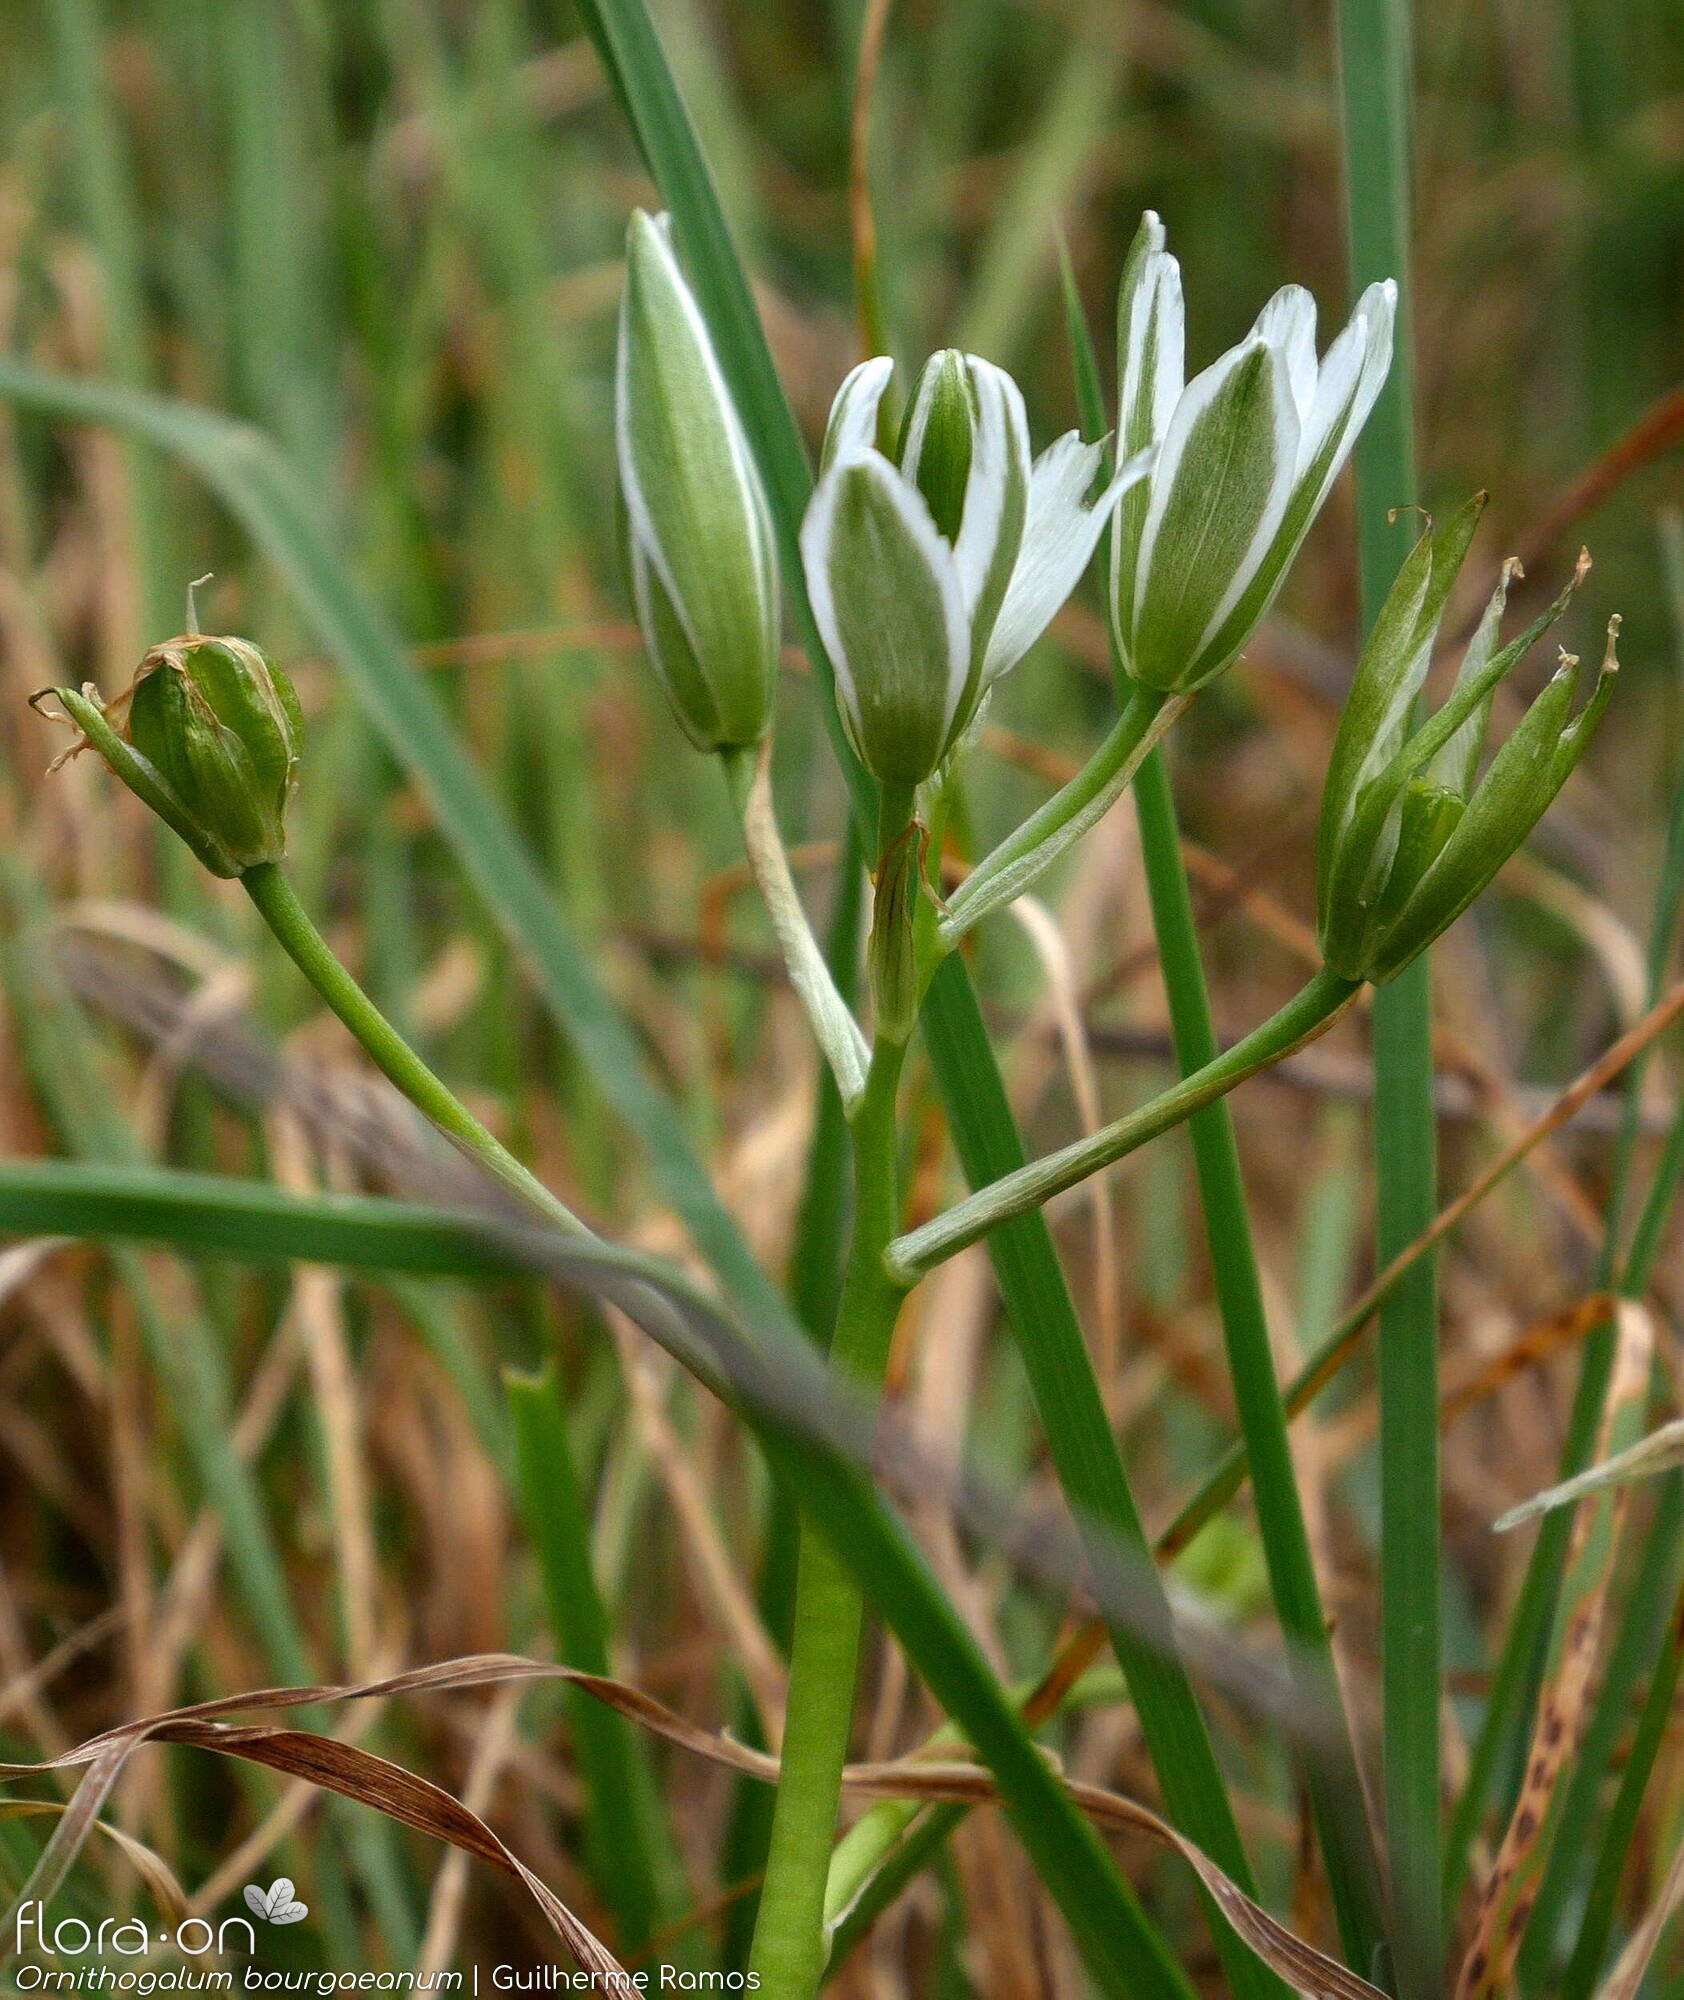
{"x": 1410, "y": 833}
{"x": 209, "y": 735}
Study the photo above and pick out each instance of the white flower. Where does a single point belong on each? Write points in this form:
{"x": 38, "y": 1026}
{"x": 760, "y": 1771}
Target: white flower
{"x": 703, "y": 567}
{"x": 1247, "y": 452}
{"x": 932, "y": 572}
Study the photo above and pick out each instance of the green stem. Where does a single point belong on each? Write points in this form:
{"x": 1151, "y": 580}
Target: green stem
{"x": 546, "y": 1484}
{"x": 298, "y": 937}
{"x": 748, "y": 773}
{"x": 1331, "y": 1774}
{"x": 789, "y": 1945}
{"x": 1069, "y": 814}
{"x": 814, "y": 1277}
{"x": 1310, "y": 1013}
{"x": 1375, "y": 70}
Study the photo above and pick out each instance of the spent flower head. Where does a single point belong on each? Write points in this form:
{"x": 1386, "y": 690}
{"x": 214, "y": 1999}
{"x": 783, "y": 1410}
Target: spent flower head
{"x": 1410, "y": 832}
{"x": 934, "y": 568}
{"x": 1247, "y": 452}
{"x": 704, "y": 572}
{"x": 208, "y": 734}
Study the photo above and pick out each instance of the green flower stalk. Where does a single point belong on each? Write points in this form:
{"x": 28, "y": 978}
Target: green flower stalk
{"x": 1409, "y": 837}
{"x": 208, "y": 734}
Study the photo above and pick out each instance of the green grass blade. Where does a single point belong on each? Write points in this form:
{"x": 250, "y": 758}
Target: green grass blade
{"x": 1375, "y": 48}
{"x": 264, "y": 492}
{"x": 624, "y": 1836}
{"x": 217, "y": 1215}
{"x": 1332, "y": 1777}
{"x": 104, "y": 186}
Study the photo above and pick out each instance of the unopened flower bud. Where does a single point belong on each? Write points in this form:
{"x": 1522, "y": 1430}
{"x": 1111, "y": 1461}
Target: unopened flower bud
{"x": 937, "y": 437}
{"x": 699, "y": 537}
{"x": 208, "y": 735}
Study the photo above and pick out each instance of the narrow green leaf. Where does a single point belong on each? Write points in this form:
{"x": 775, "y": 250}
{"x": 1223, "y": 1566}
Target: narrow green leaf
{"x": 216, "y": 1215}
{"x": 1374, "y": 45}
{"x": 625, "y": 1838}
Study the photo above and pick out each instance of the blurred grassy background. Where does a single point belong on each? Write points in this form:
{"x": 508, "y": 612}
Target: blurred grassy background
{"x": 388, "y": 234}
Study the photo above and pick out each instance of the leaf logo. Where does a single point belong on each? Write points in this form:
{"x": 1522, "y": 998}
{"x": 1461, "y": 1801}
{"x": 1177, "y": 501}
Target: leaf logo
{"x": 277, "y": 1904}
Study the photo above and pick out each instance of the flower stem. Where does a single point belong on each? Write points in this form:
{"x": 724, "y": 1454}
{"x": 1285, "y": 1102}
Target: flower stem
{"x": 298, "y": 937}
{"x": 1309, "y": 1014}
{"x": 748, "y": 773}
{"x": 1023, "y": 856}
{"x": 789, "y": 1943}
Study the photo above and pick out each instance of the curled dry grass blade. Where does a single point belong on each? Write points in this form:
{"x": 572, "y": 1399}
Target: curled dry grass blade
{"x": 417, "y": 1803}
{"x": 324, "y": 1761}
{"x": 150, "y": 1866}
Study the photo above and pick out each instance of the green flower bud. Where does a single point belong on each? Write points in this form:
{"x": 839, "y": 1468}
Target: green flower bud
{"x": 208, "y": 735}
{"x": 936, "y": 438}
{"x": 699, "y": 538}
{"x": 1410, "y": 833}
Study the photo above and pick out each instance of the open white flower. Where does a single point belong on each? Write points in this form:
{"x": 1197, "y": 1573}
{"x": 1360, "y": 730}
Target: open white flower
{"x": 932, "y": 572}
{"x": 1247, "y": 453}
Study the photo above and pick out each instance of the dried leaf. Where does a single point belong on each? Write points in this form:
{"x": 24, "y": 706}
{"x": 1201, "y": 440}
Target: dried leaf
{"x": 149, "y": 1865}
{"x": 1659, "y": 1452}
{"x": 417, "y": 1802}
